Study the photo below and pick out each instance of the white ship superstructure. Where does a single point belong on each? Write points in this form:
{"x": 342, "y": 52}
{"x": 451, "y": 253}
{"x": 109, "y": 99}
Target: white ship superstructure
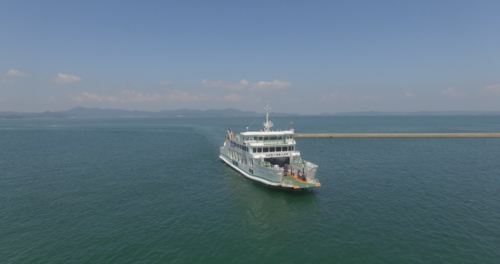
{"x": 269, "y": 157}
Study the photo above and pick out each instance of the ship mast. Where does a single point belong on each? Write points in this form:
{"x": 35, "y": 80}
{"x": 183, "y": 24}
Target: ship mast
{"x": 268, "y": 124}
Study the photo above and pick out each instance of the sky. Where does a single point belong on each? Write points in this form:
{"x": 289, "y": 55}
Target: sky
{"x": 305, "y": 57}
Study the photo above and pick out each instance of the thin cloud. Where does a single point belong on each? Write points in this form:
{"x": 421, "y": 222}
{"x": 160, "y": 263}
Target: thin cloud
{"x": 276, "y": 84}
{"x": 244, "y": 84}
{"x": 176, "y": 96}
{"x": 228, "y": 85}
{"x": 124, "y": 96}
{"x": 329, "y": 98}
{"x": 492, "y": 89}
{"x": 65, "y": 79}
{"x": 450, "y": 92}
{"x": 369, "y": 98}
{"x": 4, "y": 81}
{"x": 15, "y": 73}
{"x": 132, "y": 96}
{"x": 235, "y": 97}
{"x": 335, "y": 96}
{"x": 94, "y": 98}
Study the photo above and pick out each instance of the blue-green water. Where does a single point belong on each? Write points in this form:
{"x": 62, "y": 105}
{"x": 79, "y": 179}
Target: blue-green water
{"x": 154, "y": 191}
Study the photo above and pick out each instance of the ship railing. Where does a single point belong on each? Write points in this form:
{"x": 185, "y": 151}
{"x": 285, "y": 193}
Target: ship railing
{"x": 265, "y": 164}
{"x": 270, "y": 142}
{"x": 276, "y": 167}
{"x": 313, "y": 180}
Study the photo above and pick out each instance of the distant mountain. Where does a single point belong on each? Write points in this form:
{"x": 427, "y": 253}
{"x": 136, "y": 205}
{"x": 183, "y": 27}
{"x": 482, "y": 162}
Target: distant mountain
{"x": 419, "y": 113}
{"x": 15, "y": 115}
{"x": 82, "y": 112}
{"x": 97, "y": 112}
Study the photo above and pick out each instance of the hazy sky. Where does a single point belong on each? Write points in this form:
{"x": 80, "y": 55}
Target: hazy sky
{"x": 302, "y": 56}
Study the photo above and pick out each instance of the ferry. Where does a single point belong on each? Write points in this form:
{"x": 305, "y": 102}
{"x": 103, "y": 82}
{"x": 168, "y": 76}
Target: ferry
{"x": 269, "y": 157}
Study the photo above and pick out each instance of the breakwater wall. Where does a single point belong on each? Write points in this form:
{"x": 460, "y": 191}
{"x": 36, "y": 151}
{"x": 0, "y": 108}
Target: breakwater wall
{"x": 400, "y": 135}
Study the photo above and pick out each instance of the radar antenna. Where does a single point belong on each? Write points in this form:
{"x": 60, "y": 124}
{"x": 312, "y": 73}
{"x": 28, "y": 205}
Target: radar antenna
{"x": 268, "y": 124}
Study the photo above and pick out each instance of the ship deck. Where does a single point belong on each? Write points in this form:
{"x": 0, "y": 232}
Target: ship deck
{"x": 299, "y": 184}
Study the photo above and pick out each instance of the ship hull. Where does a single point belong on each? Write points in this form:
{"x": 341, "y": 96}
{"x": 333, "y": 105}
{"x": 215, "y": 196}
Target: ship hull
{"x": 254, "y": 177}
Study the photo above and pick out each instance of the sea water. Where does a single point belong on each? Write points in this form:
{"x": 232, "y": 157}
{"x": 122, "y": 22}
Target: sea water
{"x": 153, "y": 190}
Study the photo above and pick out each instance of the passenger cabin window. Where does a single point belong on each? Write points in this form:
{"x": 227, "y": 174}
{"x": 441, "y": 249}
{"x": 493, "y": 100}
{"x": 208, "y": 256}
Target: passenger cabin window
{"x": 278, "y": 149}
{"x": 246, "y": 138}
{"x": 285, "y": 148}
{"x": 279, "y": 137}
{"x": 265, "y": 150}
{"x": 259, "y": 150}
{"x": 260, "y": 138}
{"x": 266, "y": 138}
{"x": 254, "y": 150}
{"x": 271, "y": 149}
{"x": 272, "y": 138}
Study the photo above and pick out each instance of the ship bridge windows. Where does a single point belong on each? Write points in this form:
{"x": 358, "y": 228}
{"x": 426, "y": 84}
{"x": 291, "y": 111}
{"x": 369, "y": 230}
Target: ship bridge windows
{"x": 236, "y": 145}
{"x": 266, "y": 138}
{"x": 269, "y": 149}
{"x": 284, "y": 148}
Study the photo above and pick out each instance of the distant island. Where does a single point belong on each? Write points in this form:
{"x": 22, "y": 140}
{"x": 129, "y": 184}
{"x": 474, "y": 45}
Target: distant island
{"x": 83, "y": 112}
{"x": 417, "y": 113}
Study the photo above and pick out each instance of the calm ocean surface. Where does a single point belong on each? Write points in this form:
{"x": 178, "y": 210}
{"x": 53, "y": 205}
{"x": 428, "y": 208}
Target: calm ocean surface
{"x": 153, "y": 190}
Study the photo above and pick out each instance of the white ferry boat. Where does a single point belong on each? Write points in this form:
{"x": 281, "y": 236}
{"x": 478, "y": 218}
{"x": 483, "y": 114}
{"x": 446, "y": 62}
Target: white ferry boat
{"x": 269, "y": 157}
